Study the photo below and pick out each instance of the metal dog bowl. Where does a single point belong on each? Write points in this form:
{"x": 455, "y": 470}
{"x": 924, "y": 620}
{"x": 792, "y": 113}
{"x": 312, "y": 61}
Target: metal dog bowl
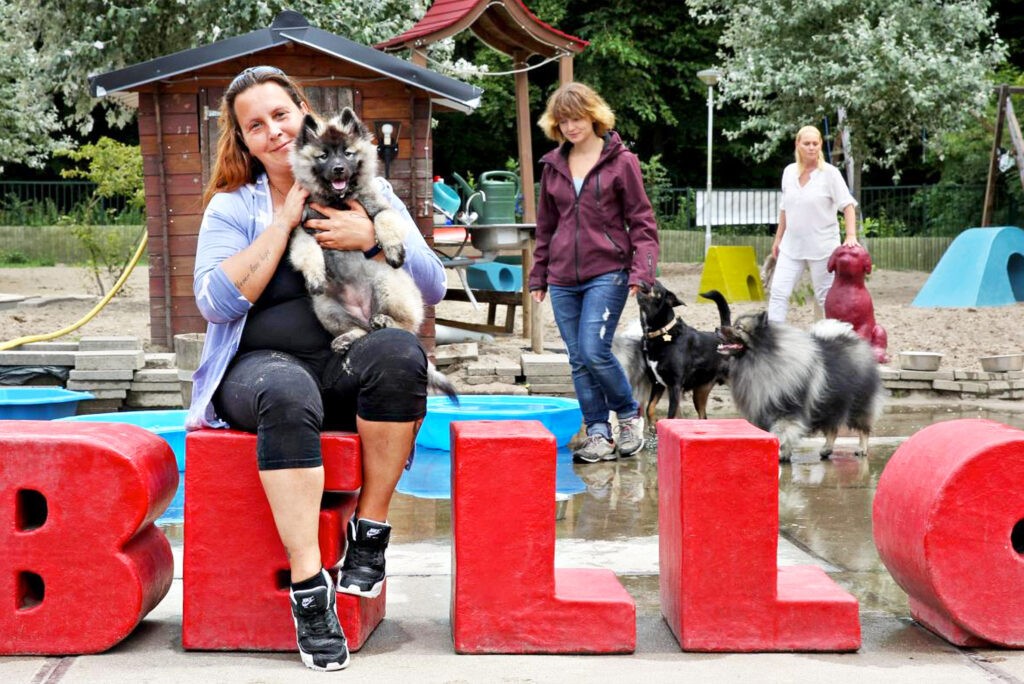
{"x": 493, "y": 238}
{"x": 1002, "y": 363}
{"x": 920, "y": 360}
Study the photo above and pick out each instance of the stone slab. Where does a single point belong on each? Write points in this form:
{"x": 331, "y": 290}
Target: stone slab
{"x": 118, "y": 394}
{"x": 154, "y": 399}
{"x": 156, "y": 375}
{"x": 50, "y": 346}
{"x": 105, "y": 360}
{"x": 110, "y": 343}
{"x": 157, "y": 386}
{"x": 92, "y": 386}
{"x": 160, "y": 360}
{"x": 545, "y": 364}
{"x": 123, "y": 374}
{"x": 37, "y": 358}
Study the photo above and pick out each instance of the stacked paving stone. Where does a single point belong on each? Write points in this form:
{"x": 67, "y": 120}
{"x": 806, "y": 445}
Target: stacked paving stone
{"x": 548, "y": 374}
{"x": 447, "y": 354}
{"x": 155, "y": 385}
{"x": 105, "y": 367}
{"x": 962, "y": 384}
{"x": 493, "y": 375}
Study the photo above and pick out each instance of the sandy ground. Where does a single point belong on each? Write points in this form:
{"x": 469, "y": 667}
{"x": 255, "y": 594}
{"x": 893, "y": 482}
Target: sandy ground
{"x": 962, "y": 335}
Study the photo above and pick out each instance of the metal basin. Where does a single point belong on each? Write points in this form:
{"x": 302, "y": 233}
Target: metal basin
{"x": 1002, "y": 363}
{"x": 920, "y": 360}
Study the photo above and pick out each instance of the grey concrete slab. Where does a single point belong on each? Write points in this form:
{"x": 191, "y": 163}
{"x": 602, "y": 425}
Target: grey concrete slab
{"x": 110, "y": 359}
{"x": 109, "y": 343}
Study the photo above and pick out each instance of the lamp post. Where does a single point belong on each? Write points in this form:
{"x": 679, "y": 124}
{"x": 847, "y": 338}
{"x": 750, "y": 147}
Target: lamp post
{"x": 710, "y": 78}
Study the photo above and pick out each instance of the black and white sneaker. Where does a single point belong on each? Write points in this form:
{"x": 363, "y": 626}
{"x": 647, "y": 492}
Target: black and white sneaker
{"x": 362, "y": 568}
{"x": 321, "y": 641}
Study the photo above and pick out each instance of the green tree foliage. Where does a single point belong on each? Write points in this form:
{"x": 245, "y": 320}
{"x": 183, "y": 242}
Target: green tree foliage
{"x": 48, "y": 50}
{"x": 116, "y": 169}
{"x": 894, "y": 68}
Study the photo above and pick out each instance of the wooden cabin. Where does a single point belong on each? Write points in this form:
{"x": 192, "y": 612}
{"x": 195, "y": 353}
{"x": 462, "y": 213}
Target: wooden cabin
{"x": 178, "y": 97}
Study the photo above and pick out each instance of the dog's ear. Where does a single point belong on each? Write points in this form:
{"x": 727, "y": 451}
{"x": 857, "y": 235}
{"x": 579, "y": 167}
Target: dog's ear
{"x": 761, "y": 319}
{"x": 310, "y": 129}
{"x": 832, "y": 260}
{"x": 350, "y": 121}
{"x": 867, "y": 262}
{"x": 672, "y": 300}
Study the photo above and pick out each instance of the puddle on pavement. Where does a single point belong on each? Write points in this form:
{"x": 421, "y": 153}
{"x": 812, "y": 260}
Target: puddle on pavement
{"x": 824, "y": 506}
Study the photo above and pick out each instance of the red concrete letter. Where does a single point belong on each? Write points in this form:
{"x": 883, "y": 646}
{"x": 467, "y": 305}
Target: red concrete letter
{"x": 718, "y": 522}
{"x": 235, "y": 568}
{"x": 507, "y": 596}
{"x": 949, "y": 526}
{"x": 82, "y": 562}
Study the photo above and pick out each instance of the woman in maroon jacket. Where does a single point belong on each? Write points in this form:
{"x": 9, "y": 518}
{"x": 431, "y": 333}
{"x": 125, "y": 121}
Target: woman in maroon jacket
{"x": 597, "y": 244}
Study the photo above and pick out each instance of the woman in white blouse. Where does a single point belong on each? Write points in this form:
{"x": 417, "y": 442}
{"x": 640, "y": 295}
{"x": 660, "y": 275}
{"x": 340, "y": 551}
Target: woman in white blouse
{"x": 813, "y": 193}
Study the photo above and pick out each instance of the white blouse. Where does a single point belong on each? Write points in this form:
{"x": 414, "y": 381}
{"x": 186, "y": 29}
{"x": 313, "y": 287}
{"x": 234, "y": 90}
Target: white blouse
{"x": 812, "y": 230}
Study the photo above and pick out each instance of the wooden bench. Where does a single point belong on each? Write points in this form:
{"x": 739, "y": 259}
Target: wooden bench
{"x": 492, "y": 298}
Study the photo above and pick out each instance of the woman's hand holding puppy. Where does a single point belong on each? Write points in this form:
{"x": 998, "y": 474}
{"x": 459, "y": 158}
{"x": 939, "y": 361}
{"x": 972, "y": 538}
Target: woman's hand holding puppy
{"x": 344, "y": 229}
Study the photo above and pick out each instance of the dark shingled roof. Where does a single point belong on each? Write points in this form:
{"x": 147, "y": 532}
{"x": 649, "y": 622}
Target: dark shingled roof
{"x": 290, "y": 27}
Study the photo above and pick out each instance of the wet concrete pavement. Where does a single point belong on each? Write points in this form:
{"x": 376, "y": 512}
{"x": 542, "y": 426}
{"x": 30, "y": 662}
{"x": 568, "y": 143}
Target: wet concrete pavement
{"x": 610, "y": 522}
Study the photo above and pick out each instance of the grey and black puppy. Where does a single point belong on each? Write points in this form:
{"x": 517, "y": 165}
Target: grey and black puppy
{"x": 336, "y": 162}
{"x": 793, "y": 383}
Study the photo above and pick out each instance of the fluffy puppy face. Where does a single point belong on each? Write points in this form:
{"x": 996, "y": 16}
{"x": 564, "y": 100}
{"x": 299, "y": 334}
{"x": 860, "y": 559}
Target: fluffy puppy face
{"x": 335, "y": 159}
{"x": 742, "y": 334}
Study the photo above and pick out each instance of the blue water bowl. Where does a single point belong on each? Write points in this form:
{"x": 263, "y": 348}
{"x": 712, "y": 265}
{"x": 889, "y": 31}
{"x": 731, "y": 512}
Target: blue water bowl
{"x": 560, "y": 415}
{"x": 430, "y": 476}
{"x": 39, "y": 403}
{"x": 169, "y": 425}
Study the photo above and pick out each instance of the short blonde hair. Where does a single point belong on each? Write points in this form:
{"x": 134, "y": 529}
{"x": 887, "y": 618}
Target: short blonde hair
{"x": 575, "y": 101}
{"x": 808, "y": 130}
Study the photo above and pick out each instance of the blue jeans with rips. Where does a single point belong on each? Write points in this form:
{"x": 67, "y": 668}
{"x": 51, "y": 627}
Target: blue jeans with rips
{"x": 587, "y": 315}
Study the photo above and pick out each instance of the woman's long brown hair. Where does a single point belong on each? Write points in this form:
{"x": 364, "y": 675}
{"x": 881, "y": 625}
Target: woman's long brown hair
{"x": 234, "y": 165}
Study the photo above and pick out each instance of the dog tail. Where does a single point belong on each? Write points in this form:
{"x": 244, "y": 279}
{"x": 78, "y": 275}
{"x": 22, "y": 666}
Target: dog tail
{"x": 437, "y": 383}
{"x": 723, "y": 306}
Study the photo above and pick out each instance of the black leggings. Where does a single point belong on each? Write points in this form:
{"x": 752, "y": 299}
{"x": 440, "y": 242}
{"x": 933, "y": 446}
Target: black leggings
{"x": 287, "y": 403}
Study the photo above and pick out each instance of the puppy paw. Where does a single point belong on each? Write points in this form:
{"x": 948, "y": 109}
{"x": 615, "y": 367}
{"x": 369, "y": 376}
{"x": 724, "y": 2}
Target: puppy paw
{"x": 395, "y": 255}
{"x": 341, "y": 343}
{"x": 390, "y": 231}
{"x": 378, "y": 321}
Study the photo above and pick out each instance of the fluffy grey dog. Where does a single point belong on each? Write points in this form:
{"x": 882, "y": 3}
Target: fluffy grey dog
{"x": 352, "y": 295}
{"x": 794, "y": 383}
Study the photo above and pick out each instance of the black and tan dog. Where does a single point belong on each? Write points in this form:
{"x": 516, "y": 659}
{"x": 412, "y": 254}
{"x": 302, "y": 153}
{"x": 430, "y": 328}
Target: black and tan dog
{"x": 678, "y": 357}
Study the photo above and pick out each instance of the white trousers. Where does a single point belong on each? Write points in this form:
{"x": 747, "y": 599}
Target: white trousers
{"x": 787, "y": 274}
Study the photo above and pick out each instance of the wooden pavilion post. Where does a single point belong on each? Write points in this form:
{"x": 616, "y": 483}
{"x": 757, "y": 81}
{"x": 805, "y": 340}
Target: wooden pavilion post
{"x": 993, "y": 163}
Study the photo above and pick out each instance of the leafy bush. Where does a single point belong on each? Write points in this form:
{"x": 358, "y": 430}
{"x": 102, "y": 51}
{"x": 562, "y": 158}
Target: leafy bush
{"x": 116, "y": 169}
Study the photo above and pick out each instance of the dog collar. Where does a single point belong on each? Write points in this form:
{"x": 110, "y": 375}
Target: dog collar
{"x": 663, "y": 332}
{"x": 373, "y": 251}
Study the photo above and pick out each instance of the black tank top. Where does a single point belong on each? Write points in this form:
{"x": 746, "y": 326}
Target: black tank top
{"x": 282, "y": 319}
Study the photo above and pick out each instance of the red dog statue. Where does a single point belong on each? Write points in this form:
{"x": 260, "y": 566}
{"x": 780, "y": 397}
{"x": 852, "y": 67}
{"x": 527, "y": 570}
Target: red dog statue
{"x": 848, "y": 300}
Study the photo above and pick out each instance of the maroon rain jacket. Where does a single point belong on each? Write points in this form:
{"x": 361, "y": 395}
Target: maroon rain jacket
{"x": 608, "y": 227}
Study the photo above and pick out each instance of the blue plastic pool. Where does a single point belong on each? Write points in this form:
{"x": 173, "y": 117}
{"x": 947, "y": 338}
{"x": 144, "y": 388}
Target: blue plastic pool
{"x": 170, "y": 425}
{"x": 430, "y": 476}
{"x": 39, "y": 403}
{"x": 560, "y": 415}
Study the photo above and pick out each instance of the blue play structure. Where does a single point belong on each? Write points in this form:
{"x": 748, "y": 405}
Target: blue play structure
{"x": 982, "y": 267}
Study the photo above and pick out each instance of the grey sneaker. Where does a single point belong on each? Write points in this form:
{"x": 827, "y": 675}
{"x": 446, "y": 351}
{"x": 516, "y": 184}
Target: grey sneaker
{"x": 631, "y": 435}
{"x": 595, "y": 448}
{"x": 321, "y": 642}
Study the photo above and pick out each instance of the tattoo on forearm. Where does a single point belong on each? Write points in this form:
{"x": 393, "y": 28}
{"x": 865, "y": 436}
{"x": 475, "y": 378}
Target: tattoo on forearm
{"x": 253, "y": 268}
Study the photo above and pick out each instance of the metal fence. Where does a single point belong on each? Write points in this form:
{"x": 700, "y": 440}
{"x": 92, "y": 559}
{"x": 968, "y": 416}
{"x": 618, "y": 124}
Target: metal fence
{"x": 43, "y": 203}
{"x": 897, "y": 211}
